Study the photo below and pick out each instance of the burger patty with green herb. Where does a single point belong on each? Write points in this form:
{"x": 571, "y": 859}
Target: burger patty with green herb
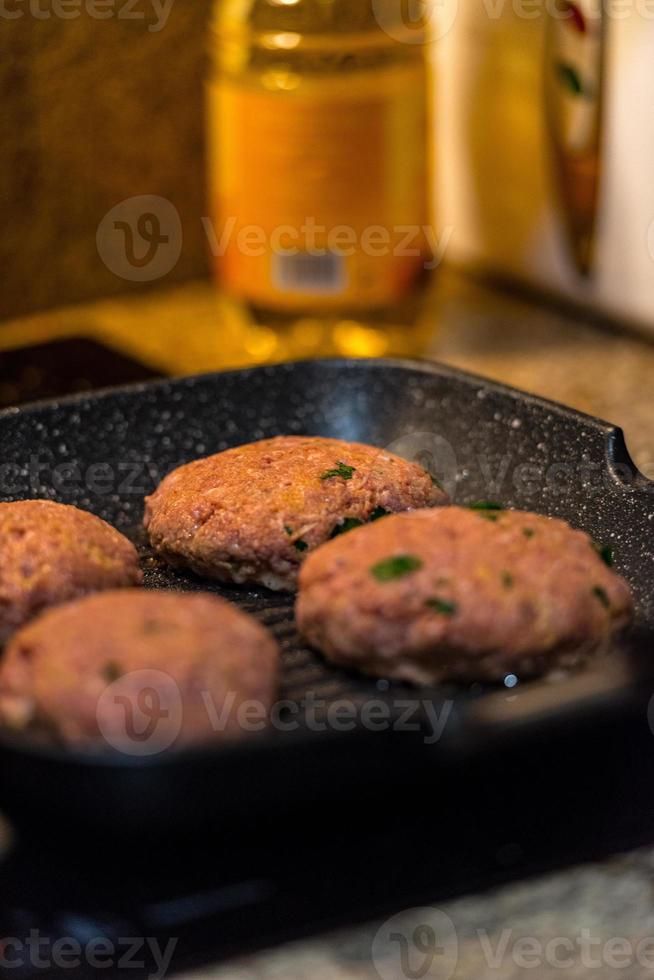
{"x": 139, "y": 669}
{"x": 51, "y": 553}
{"x": 474, "y": 593}
{"x": 254, "y": 513}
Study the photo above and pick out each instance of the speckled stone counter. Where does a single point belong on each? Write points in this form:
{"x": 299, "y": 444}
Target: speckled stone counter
{"x": 595, "y": 921}
{"x": 591, "y": 922}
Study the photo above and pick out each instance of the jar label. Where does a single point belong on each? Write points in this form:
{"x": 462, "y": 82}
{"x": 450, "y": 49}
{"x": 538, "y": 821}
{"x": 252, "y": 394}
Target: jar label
{"x": 319, "y": 193}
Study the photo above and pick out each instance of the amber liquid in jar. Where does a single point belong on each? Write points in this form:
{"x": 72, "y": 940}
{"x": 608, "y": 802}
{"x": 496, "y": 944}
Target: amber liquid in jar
{"x": 318, "y": 154}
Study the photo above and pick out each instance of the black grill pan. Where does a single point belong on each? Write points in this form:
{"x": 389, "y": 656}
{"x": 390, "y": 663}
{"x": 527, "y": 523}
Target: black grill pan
{"x": 104, "y": 451}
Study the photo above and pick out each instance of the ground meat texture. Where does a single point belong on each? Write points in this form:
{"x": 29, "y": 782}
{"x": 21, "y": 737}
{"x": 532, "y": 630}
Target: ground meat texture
{"x": 51, "y": 553}
{"x": 73, "y": 669}
{"x": 253, "y": 513}
{"x": 459, "y": 593}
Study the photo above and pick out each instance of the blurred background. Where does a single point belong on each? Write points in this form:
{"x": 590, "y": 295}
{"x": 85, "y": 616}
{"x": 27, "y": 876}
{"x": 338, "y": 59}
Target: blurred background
{"x": 157, "y": 152}
{"x": 96, "y": 111}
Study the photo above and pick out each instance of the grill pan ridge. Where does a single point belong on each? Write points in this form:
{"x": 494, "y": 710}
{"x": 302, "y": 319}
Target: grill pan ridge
{"x": 105, "y": 451}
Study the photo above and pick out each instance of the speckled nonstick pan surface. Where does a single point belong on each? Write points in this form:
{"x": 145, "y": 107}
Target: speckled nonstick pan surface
{"x": 104, "y": 451}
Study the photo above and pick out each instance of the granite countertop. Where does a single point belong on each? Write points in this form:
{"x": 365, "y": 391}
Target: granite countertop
{"x": 593, "y": 921}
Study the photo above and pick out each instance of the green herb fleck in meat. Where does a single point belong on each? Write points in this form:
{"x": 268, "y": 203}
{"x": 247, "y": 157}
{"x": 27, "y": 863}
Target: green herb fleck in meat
{"x": 600, "y": 594}
{"x": 487, "y": 509}
{"x": 300, "y": 545}
{"x": 528, "y": 532}
{"x": 396, "y": 567}
{"x": 442, "y": 606}
{"x": 342, "y": 469}
{"x": 508, "y": 580}
{"x": 348, "y": 525}
{"x": 605, "y": 551}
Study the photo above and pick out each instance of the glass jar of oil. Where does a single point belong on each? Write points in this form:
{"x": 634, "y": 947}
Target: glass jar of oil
{"x": 318, "y": 152}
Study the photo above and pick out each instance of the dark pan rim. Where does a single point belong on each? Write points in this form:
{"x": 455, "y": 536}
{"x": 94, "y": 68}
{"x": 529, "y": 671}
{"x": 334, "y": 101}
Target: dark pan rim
{"x": 421, "y": 365}
{"x": 617, "y": 450}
